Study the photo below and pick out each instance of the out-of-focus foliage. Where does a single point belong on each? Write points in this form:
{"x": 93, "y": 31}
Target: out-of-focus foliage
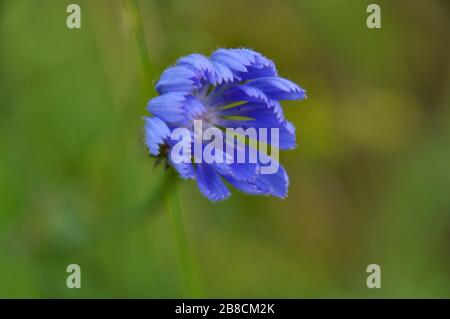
{"x": 370, "y": 180}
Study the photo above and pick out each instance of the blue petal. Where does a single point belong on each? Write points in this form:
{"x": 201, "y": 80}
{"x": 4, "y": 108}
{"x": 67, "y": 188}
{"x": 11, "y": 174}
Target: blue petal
{"x": 239, "y": 171}
{"x": 228, "y": 166}
{"x": 251, "y": 188}
{"x": 269, "y": 114}
{"x": 181, "y": 157}
{"x": 286, "y": 132}
{"x": 248, "y": 57}
{"x": 200, "y": 64}
{"x": 186, "y": 170}
{"x": 210, "y": 183}
{"x": 258, "y": 66}
{"x": 179, "y": 79}
{"x": 231, "y": 59}
{"x": 278, "y": 110}
{"x": 239, "y": 93}
{"x": 278, "y": 88}
{"x": 176, "y": 107}
{"x": 258, "y": 115}
{"x": 244, "y": 171}
{"x": 193, "y": 108}
{"x": 277, "y": 184}
{"x": 238, "y": 150}
{"x": 156, "y": 132}
{"x": 168, "y": 107}
{"x": 222, "y": 73}
{"x": 269, "y": 184}
{"x": 264, "y": 184}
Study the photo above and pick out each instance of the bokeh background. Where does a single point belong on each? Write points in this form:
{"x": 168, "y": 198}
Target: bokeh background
{"x": 370, "y": 180}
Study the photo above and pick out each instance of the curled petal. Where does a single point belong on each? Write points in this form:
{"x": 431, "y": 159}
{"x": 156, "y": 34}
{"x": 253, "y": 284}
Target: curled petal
{"x": 176, "y": 107}
{"x": 177, "y": 79}
{"x": 186, "y": 170}
{"x": 200, "y": 64}
{"x": 227, "y": 164}
{"x": 168, "y": 107}
{"x": 210, "y": 183}
{"x": 264, "y": 184}
{"x": 247, "y": 187}
{"x": 258, "y": 116}
{"x": 193, "y": 108}
{"x": 278, "y": 88}
{"x": 222, "y": 73}
{"x": 239, "y": 93}
{"x": 238, "y": 171}
{"x": 277, "y": 184}
{"x": 286, "y": 132}
{"x": 231, "y": 59}
{"x": 156, "y": 132}
{"x": 257, "y": 66}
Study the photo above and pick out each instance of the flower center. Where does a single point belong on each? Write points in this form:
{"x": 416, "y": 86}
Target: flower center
{"x": 210, "y": 116}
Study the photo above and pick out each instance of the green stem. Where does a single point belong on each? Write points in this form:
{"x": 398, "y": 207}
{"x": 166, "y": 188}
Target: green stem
{"x": 176, "y": 216}
{"x": 125, "y": 219}
{"x": 137, "y": 26}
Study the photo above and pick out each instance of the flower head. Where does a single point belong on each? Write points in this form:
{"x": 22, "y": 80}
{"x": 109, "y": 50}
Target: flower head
{"x": 232, "y": 89}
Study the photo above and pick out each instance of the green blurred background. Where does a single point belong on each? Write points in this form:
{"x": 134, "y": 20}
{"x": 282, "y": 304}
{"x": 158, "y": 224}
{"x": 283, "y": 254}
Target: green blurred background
{"x": 370, "y": 180}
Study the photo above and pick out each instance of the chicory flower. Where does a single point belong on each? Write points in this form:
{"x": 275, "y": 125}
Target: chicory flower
{"x": 232, "y": 89}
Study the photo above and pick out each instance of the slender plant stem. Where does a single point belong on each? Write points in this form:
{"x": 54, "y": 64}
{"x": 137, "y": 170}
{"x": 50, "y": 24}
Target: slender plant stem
{"x": 136, "y": 23}
{"x": 125, "y": 219}
{"x": 176, "y": 216}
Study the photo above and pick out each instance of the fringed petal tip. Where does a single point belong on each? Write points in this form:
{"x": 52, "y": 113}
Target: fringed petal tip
{"x": 210, "y": 183}
{"x": 156, "y": 133}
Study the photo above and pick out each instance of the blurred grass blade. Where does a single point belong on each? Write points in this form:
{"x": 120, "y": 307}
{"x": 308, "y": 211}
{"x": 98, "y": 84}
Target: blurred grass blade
{"x": 136, "y": 25}
{"x": 176, "y": 217}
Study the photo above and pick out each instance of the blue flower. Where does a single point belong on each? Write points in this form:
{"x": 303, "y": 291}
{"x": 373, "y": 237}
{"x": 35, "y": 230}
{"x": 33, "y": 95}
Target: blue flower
{"x": 233, "y": 88}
